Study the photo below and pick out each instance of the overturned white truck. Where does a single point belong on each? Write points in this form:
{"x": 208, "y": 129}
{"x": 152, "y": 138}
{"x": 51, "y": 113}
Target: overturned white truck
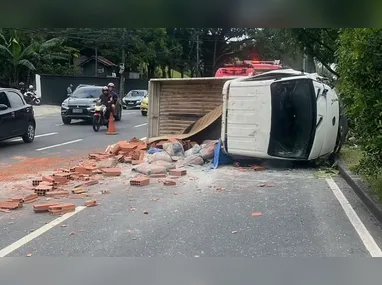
{"x": 282, "y": 114}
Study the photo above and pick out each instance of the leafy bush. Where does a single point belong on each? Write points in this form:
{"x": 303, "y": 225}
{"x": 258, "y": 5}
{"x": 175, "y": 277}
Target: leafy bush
{"x": 360, "y": 67}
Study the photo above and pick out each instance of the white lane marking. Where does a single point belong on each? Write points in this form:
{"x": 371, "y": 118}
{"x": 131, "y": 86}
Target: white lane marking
{"x": 144, "y": 138}
{"x": 363, "y": 233}
{"x": 141, "y": 125}
{"x": 37, "y": 136}
{"x": 57, "y": 125}
{"x": 57, "y": 145}
{"x": 7, "y": 250}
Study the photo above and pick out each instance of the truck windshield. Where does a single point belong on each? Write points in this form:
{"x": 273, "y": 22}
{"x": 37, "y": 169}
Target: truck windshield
{"x": 293, "y": 118}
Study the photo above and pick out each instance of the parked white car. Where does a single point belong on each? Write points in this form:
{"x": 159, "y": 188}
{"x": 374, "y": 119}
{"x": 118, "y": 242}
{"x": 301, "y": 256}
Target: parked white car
{"x": 282, "y": 114}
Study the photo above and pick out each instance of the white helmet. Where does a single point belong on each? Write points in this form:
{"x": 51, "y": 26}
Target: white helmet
{"x": 110, "y": 85}
{"x": 105, "y": 88}
{"x": 30, "y": 86}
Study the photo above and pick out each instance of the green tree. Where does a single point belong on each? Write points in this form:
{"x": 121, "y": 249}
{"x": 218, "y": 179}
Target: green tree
{"x": 360, "y": 69}
{"x": 16, "y": 55}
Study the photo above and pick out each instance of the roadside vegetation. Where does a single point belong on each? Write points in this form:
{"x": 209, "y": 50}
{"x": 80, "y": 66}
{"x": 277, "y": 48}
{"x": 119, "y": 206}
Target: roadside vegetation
{"x": 360, "y": 66}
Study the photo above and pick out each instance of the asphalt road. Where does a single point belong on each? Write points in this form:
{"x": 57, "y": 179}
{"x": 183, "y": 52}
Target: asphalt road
{"x": 54, "y": 138}
{"x": 207, "y": 214}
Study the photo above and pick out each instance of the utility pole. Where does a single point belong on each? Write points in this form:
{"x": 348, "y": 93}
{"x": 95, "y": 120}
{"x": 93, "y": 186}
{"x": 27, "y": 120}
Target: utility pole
{"x": 197, "y": 53}
{"x": 96, "y": 62}
{"x": 122, "y": 66}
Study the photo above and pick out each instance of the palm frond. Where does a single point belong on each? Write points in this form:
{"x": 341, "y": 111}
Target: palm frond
{"x": 28, "y": 51}
{"x": 5, "y": 50}
{"x": 3, "y": 38}
{"x": 27, "y": 64}
{"x": 49, "y": 44}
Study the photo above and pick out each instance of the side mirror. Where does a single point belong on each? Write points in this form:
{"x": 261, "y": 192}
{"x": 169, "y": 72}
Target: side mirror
{"x": 3, "y": 107}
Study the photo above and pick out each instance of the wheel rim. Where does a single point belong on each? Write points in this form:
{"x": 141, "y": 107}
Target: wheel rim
{"x": 30, "y": 132}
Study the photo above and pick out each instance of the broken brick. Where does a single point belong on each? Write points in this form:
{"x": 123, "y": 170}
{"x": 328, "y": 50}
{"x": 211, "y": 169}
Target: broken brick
{"x": 140, "y": 181}
{"x": 90, "y": 203}
{"x": 43, "y": 207}
{"x": 120, "y": 158}
{"x": 112, "y": 171}
{"x": 178, "y": 172}
{"x": 83, "y": 170}
{"x": 169, "y": 182}
{"x": 136, "y": 162}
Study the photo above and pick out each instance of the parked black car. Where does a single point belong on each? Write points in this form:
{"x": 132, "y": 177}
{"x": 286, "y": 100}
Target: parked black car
{"x": 16, "y": 116}
{"x": 80, "y": 105}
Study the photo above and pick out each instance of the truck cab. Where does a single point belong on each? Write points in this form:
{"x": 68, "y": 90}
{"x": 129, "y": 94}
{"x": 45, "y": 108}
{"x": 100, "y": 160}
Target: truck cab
{"x": 282, "y": 114}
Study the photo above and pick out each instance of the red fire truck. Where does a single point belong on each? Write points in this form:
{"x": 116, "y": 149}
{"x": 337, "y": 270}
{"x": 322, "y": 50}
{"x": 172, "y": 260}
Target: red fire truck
{"x": 247, "y": 68}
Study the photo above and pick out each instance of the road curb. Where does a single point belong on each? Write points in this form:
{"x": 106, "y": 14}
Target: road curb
{"x": 362, "y": 190}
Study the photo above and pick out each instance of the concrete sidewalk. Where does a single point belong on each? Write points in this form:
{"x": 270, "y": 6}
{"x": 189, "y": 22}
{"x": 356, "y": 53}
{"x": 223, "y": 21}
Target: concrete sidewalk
{"x": 46, "y": 110}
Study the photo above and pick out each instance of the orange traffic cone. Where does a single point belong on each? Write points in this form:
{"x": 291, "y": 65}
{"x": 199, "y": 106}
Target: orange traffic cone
{"x": 111, "y": 130}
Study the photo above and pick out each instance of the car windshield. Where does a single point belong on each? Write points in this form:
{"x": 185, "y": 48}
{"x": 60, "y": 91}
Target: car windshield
{"x": 87, "y": 92}
{"x": 136, "y": 93}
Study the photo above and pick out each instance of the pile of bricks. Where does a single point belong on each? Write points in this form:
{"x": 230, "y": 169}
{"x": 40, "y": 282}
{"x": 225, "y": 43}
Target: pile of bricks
{"x": 132, "y": 151}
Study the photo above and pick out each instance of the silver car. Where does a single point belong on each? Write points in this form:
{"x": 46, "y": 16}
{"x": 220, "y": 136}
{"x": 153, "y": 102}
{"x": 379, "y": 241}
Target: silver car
{"x": 134, "y": 98}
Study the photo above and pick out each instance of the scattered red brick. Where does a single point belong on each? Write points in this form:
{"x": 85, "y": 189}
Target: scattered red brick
{"x": 48, "y": 179}
{"x": 61, "y": 180}
{"x": 169, "y": 182}
{"x": 30, "y": 198}
{"x": 16, "y": 199}
{"x": 146, "y": 212}
{"x": 78, "y": 191}
{"x": 112, "y": 171}
{"x": 60, "y": 193}
{"x": 62, "y": 208}
{"x": 10, "y": 205}
{"x": 43, "y": 207}
{"x": 36, "y": 181}
{"x": 136, "y": 162}
{"x": 83, "y": 170}
{"x": 90, "y": 183}
{"x": 41, "y": 190}
{"x": 140, "y": 181}
{"x": 90, "y": 203}
{"x": 178, "y": 172}
{"x": 256, "y": 214}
